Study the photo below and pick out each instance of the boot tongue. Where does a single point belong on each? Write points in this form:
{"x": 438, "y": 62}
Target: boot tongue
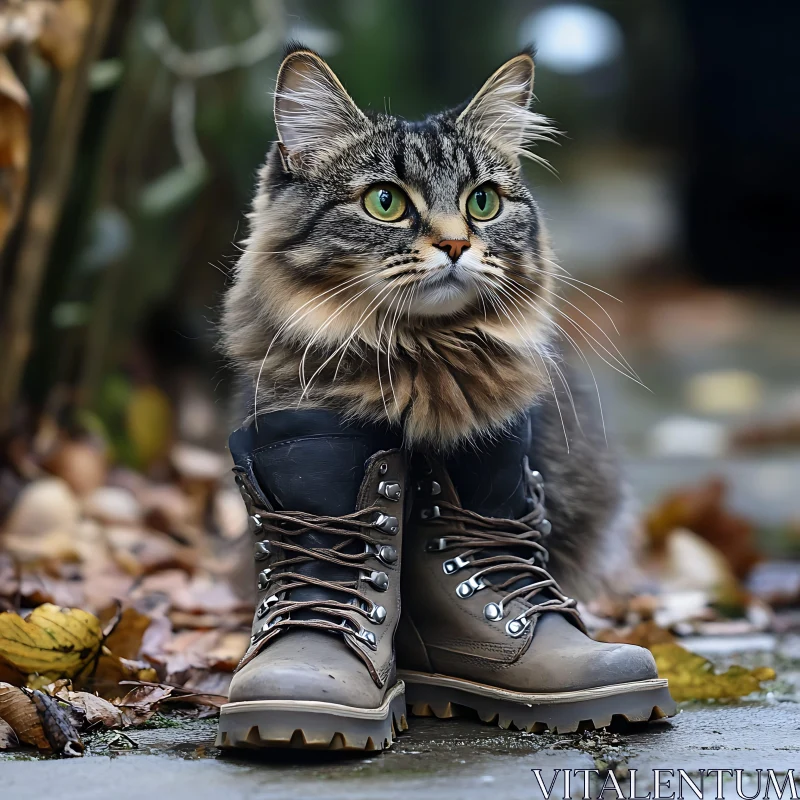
{"x": 489, "y": 477}
{"x": 311, "y": 461}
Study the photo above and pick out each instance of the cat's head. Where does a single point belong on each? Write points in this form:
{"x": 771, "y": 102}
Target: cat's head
{"x": 362, "y": 217}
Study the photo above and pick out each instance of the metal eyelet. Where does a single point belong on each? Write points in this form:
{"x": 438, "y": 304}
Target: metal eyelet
{"x": 454, "y": 565}
{"x": 534, "y": 477}
{"x": 391, "y": 490}
{"x": 387, "y": 554}
{"x": 430, "y": 513}
{"x": 517, "y": 626}
{"x": 544, "y": 527}
{"x": 263, "y": 579}
{"x": 386, "y": 523}
{"x": 265, "y": 604}
{"x": 429, "y": 487}
{"x": 264, "y": 630}
{"x": 263, "y": 551}
{"x": 468, "y": 587}
{"x": 377, "y": 615}
{"x": 368, "y": 637}
{"x": 435, "y": 545}
{"x": 380, "y": 580}
{"x": 255, "y": 524}
{"x": 383, "y": 468}
{"x": 493, "y": 611}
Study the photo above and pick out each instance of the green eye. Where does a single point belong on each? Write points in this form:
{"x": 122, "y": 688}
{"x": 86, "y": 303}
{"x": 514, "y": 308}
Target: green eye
{"x": 385, "y": 202}
{"x": 483, "y": 203}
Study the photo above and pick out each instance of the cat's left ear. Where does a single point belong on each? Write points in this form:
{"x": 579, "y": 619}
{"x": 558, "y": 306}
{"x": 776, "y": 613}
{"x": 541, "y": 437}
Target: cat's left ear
{"x": 312, "y": 108}
{"x": 501, "y": 109}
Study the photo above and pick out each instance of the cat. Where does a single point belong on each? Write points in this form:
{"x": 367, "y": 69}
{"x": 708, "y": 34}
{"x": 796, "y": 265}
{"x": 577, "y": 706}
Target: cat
{"x": 402, "y": 271}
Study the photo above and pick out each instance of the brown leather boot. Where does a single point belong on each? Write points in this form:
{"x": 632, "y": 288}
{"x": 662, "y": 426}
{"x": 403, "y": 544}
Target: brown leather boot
{"x": 326, "y": 504}
{"x": 485, "y": 626}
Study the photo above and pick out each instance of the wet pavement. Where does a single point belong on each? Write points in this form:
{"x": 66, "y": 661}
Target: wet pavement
{"x": 442, "y": 759}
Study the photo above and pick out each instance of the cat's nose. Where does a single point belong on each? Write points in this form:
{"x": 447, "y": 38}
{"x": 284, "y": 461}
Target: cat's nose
{"x": 453, "y": 247}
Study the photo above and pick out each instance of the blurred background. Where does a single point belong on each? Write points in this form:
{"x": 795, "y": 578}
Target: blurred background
{"x": 130, "y": 136}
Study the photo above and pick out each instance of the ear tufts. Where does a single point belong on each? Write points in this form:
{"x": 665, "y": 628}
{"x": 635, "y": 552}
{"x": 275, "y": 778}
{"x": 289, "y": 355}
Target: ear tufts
{"x": 312, "y": 108}
{"x": 500, "y": 111}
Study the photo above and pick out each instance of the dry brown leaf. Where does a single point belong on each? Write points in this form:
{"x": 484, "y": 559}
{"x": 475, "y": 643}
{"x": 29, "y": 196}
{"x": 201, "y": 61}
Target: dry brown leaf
{"x": 94, "y": 709}
{"x": 52, "y": 642}
{"x": 141, "y": 702}
{"x": 8, "y": 739}
{"x": 112, "y": 670}
{"x": 140, "y": 552}
{"x": 113, "y": 505}
{"x": 229, "y": 651}
{"x": 645, "y": 634}
{"x": 701, "y": 509}
{"x": 14, "y": 147}
{"x": 58, "y": 727}
{"x": 18, "y": 710}
{"x": 692, "y": 677}
{"x": 125, "y": 640}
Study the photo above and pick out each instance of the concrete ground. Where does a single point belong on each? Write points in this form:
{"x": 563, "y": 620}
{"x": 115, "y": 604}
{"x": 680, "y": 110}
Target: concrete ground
{"x": 444, "y": 759}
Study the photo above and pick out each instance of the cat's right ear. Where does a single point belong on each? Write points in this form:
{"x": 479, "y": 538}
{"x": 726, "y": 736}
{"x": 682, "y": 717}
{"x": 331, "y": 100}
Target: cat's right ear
{"x": 312, "y": 109}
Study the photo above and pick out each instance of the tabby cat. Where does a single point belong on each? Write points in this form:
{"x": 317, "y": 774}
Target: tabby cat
{"x": 401, "y": 270}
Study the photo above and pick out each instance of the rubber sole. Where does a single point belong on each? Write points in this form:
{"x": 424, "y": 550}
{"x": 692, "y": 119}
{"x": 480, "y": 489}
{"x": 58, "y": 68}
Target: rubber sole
{"x": 311, "y": 725}
{"x": 560, "y": 712}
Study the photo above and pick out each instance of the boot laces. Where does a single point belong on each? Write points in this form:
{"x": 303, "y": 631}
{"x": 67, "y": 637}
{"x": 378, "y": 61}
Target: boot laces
{"x": 278, "y": 611}
{"x": 508, "y": 556}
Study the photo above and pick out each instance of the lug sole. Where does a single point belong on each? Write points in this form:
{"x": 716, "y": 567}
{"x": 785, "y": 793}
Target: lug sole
{"x": 311, "y": 725}
{"x": 560, "y": 712}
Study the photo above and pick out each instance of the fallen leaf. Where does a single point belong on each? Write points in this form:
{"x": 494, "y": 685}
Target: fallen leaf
{"x": 17, "y": 709}
{"x": 113, "y": 670}
{"x": 14, "y": 147}
{"x": 94, "y": 709}
{"x": 701, "y": 509}
{"x": 645, "y": 634}
{"x": 692, "y": 677}
{"x": 125, "y": 640}
{"x": 52, "y": 642}
{"x": 139, "y": 551}
{"x": 141, "y": 702}
{"x": 57, "y": 725}
{"x": 8, "y": 739}
{"x": 113, "y": 505}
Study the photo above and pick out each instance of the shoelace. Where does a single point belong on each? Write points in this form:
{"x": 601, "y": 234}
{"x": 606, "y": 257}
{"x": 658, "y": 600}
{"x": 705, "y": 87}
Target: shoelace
{"x": 519, "y": 577}
{"x": 327, "y": 614}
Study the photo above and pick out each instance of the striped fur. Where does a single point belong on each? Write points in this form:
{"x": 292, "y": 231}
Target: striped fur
{"x": 333, "y": 308}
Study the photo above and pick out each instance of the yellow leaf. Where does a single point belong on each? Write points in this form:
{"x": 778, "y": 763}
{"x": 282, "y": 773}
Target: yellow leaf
{"x": 52, "y": 642}
{"x": 692, "y": 677}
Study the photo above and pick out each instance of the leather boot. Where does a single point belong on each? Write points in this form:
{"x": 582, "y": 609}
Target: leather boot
{"x": 326, "y": 507}
{"x": 485, "y": 625}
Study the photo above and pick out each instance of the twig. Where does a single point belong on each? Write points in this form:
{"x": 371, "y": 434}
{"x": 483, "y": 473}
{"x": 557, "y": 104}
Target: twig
{"x": 44, "y": 212}
{"x": 190, "y": 67}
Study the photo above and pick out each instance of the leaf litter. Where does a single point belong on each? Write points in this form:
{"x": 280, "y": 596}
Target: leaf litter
{"x": 127, "y": 593}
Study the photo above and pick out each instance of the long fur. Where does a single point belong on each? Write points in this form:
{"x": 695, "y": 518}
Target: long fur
{"x": 331, "y": 308}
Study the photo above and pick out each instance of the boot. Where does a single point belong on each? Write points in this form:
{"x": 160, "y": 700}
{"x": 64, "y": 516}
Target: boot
{"x": 485, "y": 625}
{"x": 326, "y": 506}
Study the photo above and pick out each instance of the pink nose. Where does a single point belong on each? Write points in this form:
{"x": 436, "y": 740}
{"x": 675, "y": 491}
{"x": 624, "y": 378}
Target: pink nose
{"x": 453, "y": 247}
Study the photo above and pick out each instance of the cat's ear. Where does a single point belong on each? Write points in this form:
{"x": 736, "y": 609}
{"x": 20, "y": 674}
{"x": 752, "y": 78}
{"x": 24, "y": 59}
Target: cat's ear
{"x": 312, "y": 108}
{"x": 501, "y": 109}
